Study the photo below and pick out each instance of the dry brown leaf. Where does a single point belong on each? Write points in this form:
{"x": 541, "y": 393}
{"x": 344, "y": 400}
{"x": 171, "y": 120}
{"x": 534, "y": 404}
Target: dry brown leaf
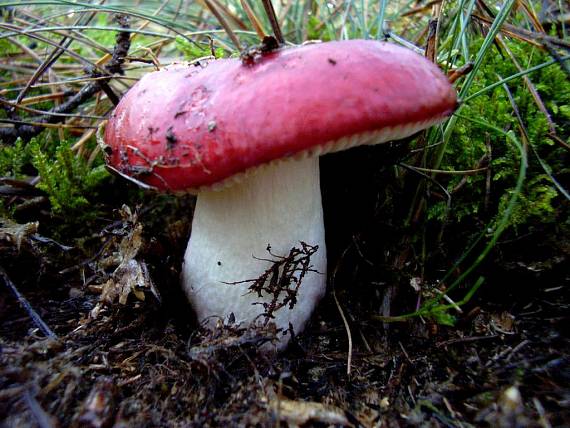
{"x": 15, "y": 233}
{"x": 297, "y": 413}
{"x": 131, "y": 275}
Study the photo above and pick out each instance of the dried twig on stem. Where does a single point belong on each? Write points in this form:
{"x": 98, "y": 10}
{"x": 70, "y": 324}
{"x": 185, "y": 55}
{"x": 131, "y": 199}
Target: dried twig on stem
{"x": 282, "y": 278}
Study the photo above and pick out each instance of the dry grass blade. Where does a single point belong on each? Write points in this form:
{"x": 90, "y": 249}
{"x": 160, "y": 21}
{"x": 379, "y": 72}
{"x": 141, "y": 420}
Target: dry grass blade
{"x": 531, "y": 88}
{"x": 27, "y": 128}
{"x": 210, "y": 5}
{"x": 43, "y": 67}
{"x": 421, "y": 9}
{"x": 42, "y": 98}
{"x": 537, "y": 39}
{"x": 433, "y": 33}
{"x": 559, "y": 141}
{"x": 333, "y": 275}
{"x": 30, "y": 127}
{"x": 445, "y": 172}
{"x": 528, "y": 142}
{"x": 561, "y": 61}
{"x": 233, "y": 18}
{"x": 531, "y": 16}
{"x": 253, "y": 19}
{"x": 55, "y": 54}
{"x": 49, "y": 113}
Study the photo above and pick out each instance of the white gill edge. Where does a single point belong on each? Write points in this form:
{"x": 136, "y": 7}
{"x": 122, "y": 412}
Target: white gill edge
{"x": 370, "y": 138}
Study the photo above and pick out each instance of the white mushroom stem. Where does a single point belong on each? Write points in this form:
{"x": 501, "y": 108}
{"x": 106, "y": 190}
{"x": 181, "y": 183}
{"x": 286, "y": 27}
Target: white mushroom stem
{"x": 280, "y": 205}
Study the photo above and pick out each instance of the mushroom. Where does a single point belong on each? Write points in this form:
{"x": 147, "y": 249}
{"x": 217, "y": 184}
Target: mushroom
{"x": 246, "y": 137}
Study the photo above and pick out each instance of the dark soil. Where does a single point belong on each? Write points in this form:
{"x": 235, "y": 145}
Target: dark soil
{"x": 506, "y": 362}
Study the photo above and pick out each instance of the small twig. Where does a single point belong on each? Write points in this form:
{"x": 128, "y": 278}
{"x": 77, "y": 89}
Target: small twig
{"x": 40, "y": 416}
{"x": 55, "y": 54}
{"x": 26, "y": 305}
{"x": 121, "y": 49}
{"x": 405, "y": 352}
{"x": 420, "y": 9}
{"x": 489, "y": 175}
{"x": 517, "y": 348}
{"x": 466, "y": 339}
{"x": 341, "y": 312}
{"x": 563, "y": 65}
{"x": 212, "y": 7}
{"x": 537, "y": 39}
{"x": 33, "y": 126}
{"x": 231, "y": 16}
{"x": 50, "y": 113}
{"x": 44, "y": 240}
{"x": 541, "y": 413}
{"x": 498, "y": 356}
{"x": 441, "y": 171}
{"x": 433, "y": 33}
{"x": 39, "y": 124}
{"x": 108, "y": 91}
{"x": 348, "y": 333}
{"x": 483, "y": 159}
{"x": 465, "y": 69}
{"x": 273, "y": 20}
{"x": 531, "y": 88}
{"x": 437, "y": 183}
{"x": 559, "y": 141}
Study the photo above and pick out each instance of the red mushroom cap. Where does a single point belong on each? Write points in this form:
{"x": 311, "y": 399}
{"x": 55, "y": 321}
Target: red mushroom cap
{"x": 192, "y": 126}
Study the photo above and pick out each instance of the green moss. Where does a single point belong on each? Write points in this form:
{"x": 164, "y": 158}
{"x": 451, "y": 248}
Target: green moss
{"x": 316, "y": 30}
{"x": 66, "y": 178}
{"x": 13, "y": 159}
{"x": 471, "y": 142}
{"x": 192, "y": 51}
{"x": 535, "y": 203}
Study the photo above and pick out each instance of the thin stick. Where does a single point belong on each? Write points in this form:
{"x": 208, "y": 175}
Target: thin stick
{"x": 273, "y": 20}
{"x": 34, "y": 126}
{"x": 348, "y": 333}
{"x": 26, "y": 305}
{"x": 50, "y": 113}
{"x": 341, "y": 312}
{"x": 24, "y": 126}
{"x": 232, "y": 17}
{"x": 223, "y": 23}
{"x": 453, "y": 75}
{"x": 445, "y": 172}
{"x": 42, "y": 418}
{"x": 53, "y": 56}
{"x": 253, "y": 19}
{"x": 433, "y": 33}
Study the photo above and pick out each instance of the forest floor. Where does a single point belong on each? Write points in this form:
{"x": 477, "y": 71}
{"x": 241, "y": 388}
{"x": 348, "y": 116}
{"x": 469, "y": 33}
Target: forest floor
{"x": 506, "y": 362}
